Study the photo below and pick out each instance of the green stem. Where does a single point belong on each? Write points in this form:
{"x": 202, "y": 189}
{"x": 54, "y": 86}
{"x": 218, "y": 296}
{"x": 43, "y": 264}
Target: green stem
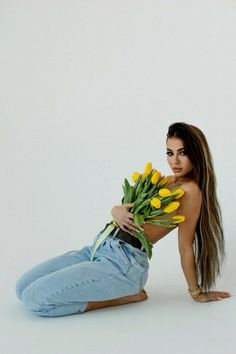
{"x": 104, "y": 235}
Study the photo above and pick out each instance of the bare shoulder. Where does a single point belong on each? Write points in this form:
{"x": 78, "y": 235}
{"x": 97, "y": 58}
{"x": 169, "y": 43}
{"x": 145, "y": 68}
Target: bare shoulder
{"x": 192, "y": 199}
{"x": 191, "y": 188}
{"x": 190, "y": 202}
{"x": 193, "y": 191}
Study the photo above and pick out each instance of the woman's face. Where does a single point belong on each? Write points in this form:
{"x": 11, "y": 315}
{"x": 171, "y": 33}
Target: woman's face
{"x": 176, "y": 157}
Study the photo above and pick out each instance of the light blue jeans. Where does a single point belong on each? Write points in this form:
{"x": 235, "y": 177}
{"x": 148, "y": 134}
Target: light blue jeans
{"x": 64, "y": 285}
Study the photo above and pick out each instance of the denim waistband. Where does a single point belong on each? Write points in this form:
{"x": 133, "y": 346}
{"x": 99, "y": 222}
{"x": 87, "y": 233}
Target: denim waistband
{"x": 126, "y": 237}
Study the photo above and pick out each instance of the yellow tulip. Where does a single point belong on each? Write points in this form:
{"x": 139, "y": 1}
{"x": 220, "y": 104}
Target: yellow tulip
{"x": 148, "y": 168}
{"x": 180, "y": 193}
{"x": 164, "y": 180}
{"x": 171, "y": 207}
{"x": 155, "y": 202}
{"x": 155, "y": 177}
{"x": 164, "y": 192}
{"x": 178, "y": 218}
{"x": 135, "y": 176}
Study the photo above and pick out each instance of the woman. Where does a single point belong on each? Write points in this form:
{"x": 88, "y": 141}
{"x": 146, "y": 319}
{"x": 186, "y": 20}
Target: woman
{"x": 72, "y": 284}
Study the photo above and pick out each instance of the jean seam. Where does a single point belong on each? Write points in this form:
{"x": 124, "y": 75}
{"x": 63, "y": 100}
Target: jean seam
{"x": 69, "y": 287}
{"x": 126, "y": 259}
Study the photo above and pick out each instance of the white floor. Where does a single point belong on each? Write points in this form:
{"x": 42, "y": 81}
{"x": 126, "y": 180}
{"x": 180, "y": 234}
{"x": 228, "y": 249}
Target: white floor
{"x": 168, "y": 322}
{"x": 88, "y": 91}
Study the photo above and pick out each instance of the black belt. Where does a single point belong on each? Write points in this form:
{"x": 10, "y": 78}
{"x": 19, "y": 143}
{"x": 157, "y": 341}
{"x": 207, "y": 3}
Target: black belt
{"x": 125, "y": 236}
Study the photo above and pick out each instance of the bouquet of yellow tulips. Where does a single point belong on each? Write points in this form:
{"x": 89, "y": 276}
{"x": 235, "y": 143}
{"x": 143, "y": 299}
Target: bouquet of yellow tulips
{"x": 152, "y": 198}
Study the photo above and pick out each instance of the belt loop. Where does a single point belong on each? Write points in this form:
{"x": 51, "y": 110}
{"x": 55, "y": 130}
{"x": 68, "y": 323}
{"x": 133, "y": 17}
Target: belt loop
{"x": 116, "y": 231}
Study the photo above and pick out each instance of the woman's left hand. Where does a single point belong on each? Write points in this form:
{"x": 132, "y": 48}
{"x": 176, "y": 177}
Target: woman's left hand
{"x": 212, "y": 296}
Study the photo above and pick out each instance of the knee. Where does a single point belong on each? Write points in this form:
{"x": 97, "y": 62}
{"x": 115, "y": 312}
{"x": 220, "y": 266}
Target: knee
{"x": 38, "y": 305}
{"x": 33, "y": 301}
{"x": 22, "y": 283}
{"x": 19, "y": 287}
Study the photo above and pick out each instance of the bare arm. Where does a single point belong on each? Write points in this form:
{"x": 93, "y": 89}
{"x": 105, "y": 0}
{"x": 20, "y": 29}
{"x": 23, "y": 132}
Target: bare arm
{"x": 191, "y": 207}
{"x": 189, "y": 269}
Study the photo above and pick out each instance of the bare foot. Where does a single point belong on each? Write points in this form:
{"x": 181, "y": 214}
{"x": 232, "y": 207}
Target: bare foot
{"x": 141, "y": 296}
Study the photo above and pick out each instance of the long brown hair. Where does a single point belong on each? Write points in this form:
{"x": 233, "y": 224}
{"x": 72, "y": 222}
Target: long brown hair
{"x": 209, "y": 242}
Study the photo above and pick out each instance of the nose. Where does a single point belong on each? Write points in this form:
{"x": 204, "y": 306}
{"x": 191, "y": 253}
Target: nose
{"x": 176, "y": 159}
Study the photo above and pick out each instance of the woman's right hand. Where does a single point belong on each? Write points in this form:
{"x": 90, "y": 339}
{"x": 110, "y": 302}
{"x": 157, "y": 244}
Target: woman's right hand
{"x": 124, "y": 218}
{"x": 212, "y": 296}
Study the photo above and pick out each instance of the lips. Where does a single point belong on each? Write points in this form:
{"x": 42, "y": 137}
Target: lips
{"x": 177, "y": 169}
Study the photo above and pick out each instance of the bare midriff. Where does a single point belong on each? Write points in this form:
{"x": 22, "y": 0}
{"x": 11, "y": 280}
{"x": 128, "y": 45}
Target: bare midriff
{"x": 156, "y": 232}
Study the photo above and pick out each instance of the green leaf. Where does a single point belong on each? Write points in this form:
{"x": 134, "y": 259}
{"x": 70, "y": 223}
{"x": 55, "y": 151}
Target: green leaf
{"x": 153, "y": 190}
{"x": 164, "y": 222}
{"x": 148, "y": 184}
{"x": 138, "y": 202}
{"x": 124, "y": 192}
{"x": 154, "y": 213}
{"x": 145, "y": 242}
{"x": 102, "y": 237}
{"x": 143, "y": 204}
{"x": 132, "y": 194}
{"x": 138, "y": 189}
{"x": 127, "y": 193}
{"x": 138, "y": 219}
{"x": 137, "y": 183}
{"x": 166, "y": 200}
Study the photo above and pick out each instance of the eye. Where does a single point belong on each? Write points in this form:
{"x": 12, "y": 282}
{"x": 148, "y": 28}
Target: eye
{"x": 170, "y": 153}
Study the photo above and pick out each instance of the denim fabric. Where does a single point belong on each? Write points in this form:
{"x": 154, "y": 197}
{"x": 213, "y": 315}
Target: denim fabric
{"x": 64, "y": 285}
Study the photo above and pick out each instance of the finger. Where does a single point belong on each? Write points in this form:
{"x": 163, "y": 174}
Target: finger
{"x": 128, "y": 205}
{"x": 222, "y": 294}
{"x": 225, "y": 294}
{"x": 129, "y": 232}
{"x": 216, "y": 299}
{"x": 123, "y": 228}
{"x": 122, "y": 225}
{"x": 131, "y": 225}
{"x": 126, "y": 229}
{"x": 135, "y": 228}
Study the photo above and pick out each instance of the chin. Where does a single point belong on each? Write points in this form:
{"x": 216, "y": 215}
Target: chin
{"x": 179, "y": 173}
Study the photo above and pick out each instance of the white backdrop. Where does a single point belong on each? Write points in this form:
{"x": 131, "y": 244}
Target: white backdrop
{"x": 88, "y": 90}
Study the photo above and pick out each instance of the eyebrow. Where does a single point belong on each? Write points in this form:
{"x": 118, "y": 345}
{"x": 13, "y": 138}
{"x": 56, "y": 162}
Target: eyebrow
{"x": 177, "y": 150}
